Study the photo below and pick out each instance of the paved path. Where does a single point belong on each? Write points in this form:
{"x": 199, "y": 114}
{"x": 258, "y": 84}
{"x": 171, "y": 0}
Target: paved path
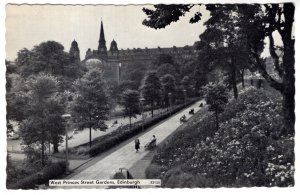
{"x": 81, "y": 137}
{"x": 126, "y": 156}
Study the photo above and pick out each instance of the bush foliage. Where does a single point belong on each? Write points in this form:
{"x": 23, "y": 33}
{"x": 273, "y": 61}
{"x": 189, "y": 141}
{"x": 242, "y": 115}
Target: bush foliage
{"x": 249, "y": 149}
{"x": 50, "y": 171}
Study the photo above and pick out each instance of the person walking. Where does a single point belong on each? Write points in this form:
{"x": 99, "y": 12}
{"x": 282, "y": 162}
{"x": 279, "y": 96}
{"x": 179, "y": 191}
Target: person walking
{"x": 137, "y": 145}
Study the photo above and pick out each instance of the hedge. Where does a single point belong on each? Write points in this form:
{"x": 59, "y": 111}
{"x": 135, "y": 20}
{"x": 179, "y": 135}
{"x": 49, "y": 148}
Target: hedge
{"x": 110, "y": 140}
{"x": 49, "y": 172}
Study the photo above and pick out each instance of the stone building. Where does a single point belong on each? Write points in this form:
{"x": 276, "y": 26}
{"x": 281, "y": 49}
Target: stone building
{"x": 111, "y": 60}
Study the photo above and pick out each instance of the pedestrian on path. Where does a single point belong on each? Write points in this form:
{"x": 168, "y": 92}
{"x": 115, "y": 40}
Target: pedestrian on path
{"x": 137, "y": 145}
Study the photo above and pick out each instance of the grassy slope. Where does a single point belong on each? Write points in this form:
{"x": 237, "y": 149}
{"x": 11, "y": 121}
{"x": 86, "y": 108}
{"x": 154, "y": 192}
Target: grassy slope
{"x": 173, "y": 164}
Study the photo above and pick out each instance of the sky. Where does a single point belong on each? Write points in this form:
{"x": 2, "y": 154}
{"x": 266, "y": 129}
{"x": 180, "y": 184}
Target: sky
{"x": 29, "y": 25}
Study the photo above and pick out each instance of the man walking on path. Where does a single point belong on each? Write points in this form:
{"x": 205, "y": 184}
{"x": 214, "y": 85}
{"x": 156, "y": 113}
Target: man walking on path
{"x": 137, "y": 145}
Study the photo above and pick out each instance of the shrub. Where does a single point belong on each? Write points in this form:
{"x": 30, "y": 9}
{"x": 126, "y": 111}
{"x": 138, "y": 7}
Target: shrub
{"x": 177, "y": 178}
{"x": 153, "y": 171}
{"x": 81, "y": 150}
{"x": 249, "y": 149}
{"x": 49, "y": 172}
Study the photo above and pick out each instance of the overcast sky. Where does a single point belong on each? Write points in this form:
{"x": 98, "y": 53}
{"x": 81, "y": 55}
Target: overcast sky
{"x": 27, "y": 26}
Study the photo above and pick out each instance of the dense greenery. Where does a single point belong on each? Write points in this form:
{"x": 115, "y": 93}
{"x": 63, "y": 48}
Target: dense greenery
{"x": 50, "y": 58}
{"x": 43, "y": 108}
{"x": 249, "y": 149}
{"x": 216, "y": 98}
{"x": 240, "y": 29}
{"x": 50, "y": 171}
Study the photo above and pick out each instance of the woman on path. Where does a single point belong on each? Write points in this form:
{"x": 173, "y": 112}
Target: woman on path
{"x": 137, "y": 145}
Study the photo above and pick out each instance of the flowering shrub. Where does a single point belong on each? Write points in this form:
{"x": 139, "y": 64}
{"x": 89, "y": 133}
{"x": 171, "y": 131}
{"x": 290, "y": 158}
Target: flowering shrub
{"x": 249, "y": 149}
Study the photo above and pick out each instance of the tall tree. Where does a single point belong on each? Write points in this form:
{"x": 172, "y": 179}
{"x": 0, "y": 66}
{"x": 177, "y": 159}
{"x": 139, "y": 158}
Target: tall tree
{"x": 151, "y": 89}
{"x": 257, "y": 24}
{"x": 277, "y": 18}
{"x": 227, "y": 41}
{"x": 130, "y": 102}
{"x": 168, "y": 87}
{"x": 91, "y": 105}
{"x": 42, "y": 112}
{"x": 216, "y": 97}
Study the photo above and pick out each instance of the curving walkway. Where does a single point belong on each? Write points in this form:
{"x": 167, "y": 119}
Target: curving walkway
{"x": 126, "y": 157}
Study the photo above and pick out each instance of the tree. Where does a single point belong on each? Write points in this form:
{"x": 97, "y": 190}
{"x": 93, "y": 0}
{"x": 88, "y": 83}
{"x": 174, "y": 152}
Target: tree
{"x": 91, "y": 104}
{"x": 216, "y": 97}
{"x": 187, "y": 85}
{"x": 118, "y": 90}
{"x": 167, "y": 68}
{"x": 42, "y": 113}
{"x": 256, "y": 24}
{"x": 227, "y": 41}
{"x": 136, "y": 76}
{"x": 151, "y": 89}
{"x": 277, "y": 18}
{"x": 130, "y": 102}
{"x": 50, "y": 58}
{"x": 168, "y": 86}
{"x": 164, "y": 15}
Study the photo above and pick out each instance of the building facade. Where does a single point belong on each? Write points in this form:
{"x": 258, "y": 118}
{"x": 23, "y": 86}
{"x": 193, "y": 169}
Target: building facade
{"x": 111, "y": 60}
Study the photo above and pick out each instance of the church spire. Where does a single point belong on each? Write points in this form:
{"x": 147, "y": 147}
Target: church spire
{"x": 102, "y": 50}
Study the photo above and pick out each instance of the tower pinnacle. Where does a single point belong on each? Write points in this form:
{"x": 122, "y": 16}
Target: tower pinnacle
{"x": 102, "y": 50}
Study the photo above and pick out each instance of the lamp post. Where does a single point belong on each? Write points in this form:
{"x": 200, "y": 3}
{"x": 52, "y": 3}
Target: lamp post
{"x": 66, "y": 117}
{"x": 142, "y": 111}
{"x": 119, "y": 73}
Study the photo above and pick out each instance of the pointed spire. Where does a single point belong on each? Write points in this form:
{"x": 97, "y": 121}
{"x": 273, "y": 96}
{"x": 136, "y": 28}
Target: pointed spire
{"x": 102, "y": 38}
{"x": 102, "y": 50}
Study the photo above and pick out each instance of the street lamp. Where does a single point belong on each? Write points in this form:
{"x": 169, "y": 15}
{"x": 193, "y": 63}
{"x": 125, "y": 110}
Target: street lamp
{"x": 66, "y": 117}
{"x": 142, "y": 111}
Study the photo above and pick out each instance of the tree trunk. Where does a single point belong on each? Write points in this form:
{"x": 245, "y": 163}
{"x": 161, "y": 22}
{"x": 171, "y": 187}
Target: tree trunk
{"x": 288, "y": 78}
{"x": 233, "y": 78}
{"x": 217, "y": 120}
{"x": 152, "y": 109}
{"x": 289, "y": 90}
{"x": 43, "y": 147}
{"x": 243, "y": 81}
{"x": 49, "y": 149}
{"x": 287, "y": 86}
{"x": 130, "y": 122}
{"x": 55, "y": 146}
{"x": 90, "y": 137}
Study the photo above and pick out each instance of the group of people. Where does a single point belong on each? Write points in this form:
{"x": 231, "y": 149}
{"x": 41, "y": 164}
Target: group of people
{"x": 151, "y": 144}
